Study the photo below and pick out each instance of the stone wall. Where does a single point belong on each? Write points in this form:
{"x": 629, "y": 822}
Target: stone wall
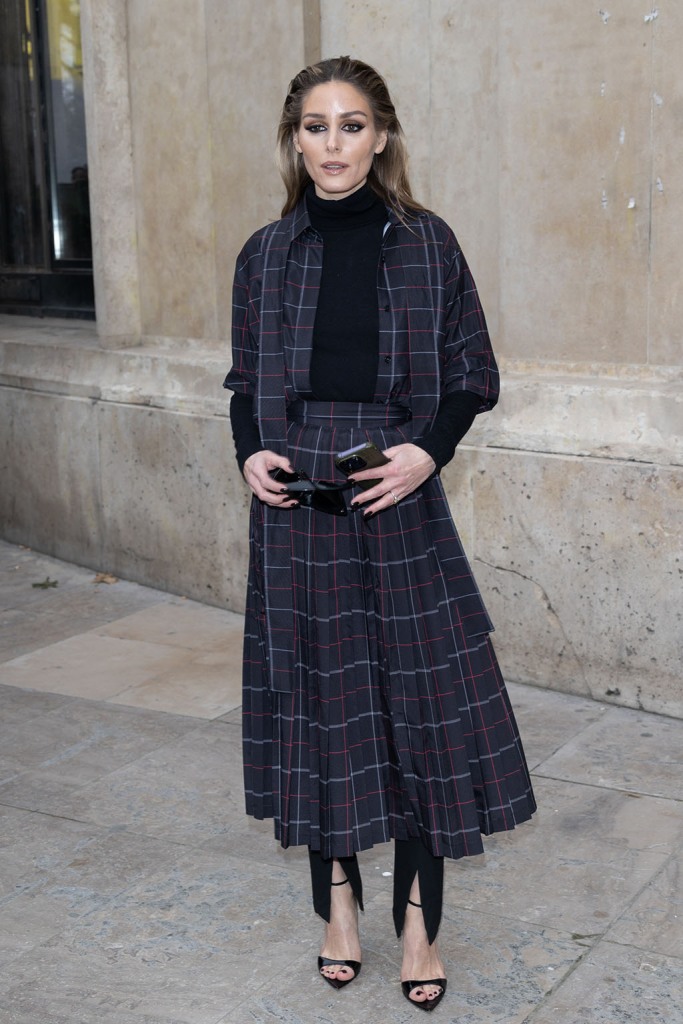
{"x": 547, "y": 135}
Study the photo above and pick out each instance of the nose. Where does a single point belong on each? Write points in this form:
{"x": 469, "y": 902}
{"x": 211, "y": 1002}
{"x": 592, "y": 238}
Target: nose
{"x": 332, "y": 141}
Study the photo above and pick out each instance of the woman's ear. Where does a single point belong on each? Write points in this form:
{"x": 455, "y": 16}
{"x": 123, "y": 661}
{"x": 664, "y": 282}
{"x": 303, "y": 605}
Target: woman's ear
{"x": 295, "y": 142}
{"x": 383, "y": 136}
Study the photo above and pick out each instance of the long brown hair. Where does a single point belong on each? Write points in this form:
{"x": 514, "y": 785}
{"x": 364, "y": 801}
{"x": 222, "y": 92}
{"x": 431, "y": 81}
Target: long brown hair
{"x": 388, "y": 175}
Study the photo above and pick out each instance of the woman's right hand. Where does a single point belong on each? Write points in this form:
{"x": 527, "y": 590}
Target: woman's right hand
{"x": 256, "y": 472}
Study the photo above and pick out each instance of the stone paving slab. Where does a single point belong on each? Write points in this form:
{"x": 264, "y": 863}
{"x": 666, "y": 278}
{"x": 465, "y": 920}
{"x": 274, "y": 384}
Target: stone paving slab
{"x": 103, "y": 666}
{"x": 551, "y": 719}
{"x": 81, "y": 741}
{"x": 170, "y": 654}
{"x": 20, "y": 706}
{"x": 54, "y": 872}
{"x": 32, "y": 618}
{"x": 219, "y": 673}
{"x": 654, "y": 921}
{"x": 75, "y": 1015}
{"x": 198, "y": 930}
{"x": 20, "y": 568}
{"x": 618, "y": 985}
{"x": 137, "y": 673}
{"x": 233, "y": 717}
{"x": 589, "y": 853}
{"x": 180, "y": 624}
{"x": 188, "y": 790}
{"x": 179, "y": 944}
{"x": 627, "y": 750}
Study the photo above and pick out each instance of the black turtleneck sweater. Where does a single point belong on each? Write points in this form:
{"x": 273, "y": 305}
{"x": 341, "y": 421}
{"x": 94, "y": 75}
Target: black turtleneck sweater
{"x": 346, "y": 331}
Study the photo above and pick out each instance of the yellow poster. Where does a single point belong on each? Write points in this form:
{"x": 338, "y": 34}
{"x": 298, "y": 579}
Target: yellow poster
{"x": 64, "y": 34}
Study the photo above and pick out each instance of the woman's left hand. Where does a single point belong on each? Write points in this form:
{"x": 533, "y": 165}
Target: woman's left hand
{"x": 409, "y": 467}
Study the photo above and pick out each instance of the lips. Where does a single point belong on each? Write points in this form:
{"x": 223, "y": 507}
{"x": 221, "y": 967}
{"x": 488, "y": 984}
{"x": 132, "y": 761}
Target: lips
{"x": 334, "y": 167}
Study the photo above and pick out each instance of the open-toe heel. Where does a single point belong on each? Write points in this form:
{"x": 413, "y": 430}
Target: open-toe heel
{"x": 325, "y": 961}
{"x": 354, "y": 965}
{"x": 408, "y": 987}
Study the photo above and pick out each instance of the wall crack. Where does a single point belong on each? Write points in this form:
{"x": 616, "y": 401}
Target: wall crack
{"x": 552, "y": 614}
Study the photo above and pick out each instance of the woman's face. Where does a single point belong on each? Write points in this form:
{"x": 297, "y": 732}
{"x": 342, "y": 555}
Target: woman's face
{"x": 337, "y": 139}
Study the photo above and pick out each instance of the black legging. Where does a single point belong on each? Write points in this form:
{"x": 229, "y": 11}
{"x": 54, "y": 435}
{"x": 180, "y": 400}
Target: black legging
{"x": 411, "y": 858}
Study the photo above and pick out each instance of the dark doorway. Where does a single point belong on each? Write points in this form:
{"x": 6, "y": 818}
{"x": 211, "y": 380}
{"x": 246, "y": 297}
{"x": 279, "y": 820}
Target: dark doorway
{"x": 45, "y": 241}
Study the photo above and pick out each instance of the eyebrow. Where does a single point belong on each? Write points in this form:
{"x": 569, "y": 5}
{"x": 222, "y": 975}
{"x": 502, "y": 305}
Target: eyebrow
{"x": 346, "y": 113}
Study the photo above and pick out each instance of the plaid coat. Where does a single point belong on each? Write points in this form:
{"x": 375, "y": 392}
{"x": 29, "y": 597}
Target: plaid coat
{"x": 433, "y": 340}
{"x": 433, "y": 336}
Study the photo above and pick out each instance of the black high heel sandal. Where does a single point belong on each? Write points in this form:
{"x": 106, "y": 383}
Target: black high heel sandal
{"x": 408, "y": 987}
{"x": 324, "y": 961}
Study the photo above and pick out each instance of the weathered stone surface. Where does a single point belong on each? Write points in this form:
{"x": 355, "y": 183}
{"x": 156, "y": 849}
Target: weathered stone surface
{"x": 666, "y": 188}
{"x": 587, "y": 854}
{"x": 111, "y": 183}
{"x": 50, "y": 483}
{"x": 243, "y": 117}
{"x": 189, "y": 514}
{"x": 575, "y": 114}
{"x": 655, "y": 920}
{"x": 32, "y": 617}
{"x": 635, "y": 753}
{"x": 617, "y": 985}
{"x": 548, "y": 141}
{"x": 464, "y": 137}
{"x": 549, "y": 722}
{"x": 573, "y": 555}
{"x": 627, "y": 415}
{"x": 172, "y": 168}
{"x": 367, "y": 31}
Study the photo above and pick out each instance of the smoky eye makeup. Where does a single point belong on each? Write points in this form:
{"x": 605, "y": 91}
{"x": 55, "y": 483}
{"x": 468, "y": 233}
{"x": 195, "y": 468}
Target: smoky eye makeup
{"x": 349, "y": 122}
{"x": 351, "y": 127}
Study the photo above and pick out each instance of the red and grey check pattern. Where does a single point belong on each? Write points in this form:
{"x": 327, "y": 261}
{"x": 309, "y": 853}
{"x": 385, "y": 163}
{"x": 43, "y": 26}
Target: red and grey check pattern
{"x": 373, "y": 703}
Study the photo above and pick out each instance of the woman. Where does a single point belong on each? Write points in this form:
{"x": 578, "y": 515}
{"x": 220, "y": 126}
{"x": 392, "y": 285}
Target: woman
{"x": 374, "y": 709}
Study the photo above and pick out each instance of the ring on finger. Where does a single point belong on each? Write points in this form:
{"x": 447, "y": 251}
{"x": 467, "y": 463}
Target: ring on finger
{"x": 395, "y": 497}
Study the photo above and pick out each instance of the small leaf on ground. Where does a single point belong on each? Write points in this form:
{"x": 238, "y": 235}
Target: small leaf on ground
{"x": 46, "y": 584}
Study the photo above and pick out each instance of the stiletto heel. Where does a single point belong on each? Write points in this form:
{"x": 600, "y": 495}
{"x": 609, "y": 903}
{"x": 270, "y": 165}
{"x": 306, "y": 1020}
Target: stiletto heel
{"x": 408, "y": 987}
{"x": 324, "y": 961}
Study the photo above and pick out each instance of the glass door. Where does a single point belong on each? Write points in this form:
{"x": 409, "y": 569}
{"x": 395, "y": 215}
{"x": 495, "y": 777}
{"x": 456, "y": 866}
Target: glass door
{"x": 68, "y": 158}
{"x": 45, "y": 242}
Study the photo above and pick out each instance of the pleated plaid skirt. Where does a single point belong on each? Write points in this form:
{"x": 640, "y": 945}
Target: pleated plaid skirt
{"x": 394, "y": 721}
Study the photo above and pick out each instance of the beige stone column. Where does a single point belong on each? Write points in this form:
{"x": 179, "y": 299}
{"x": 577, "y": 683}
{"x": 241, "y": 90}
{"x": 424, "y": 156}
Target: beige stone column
{"x": 104, "y": 30}
{"x": 251, "y": 58}
{"x": 312, "y": 40}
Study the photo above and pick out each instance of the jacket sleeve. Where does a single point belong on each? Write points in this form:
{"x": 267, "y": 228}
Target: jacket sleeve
{"x": 454, "y": 418}
{"x": 246, "y": 292}
{"x": 469, "y": 363}
{"x": 245, "y": 431}
{"x": 241, "y": 379}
